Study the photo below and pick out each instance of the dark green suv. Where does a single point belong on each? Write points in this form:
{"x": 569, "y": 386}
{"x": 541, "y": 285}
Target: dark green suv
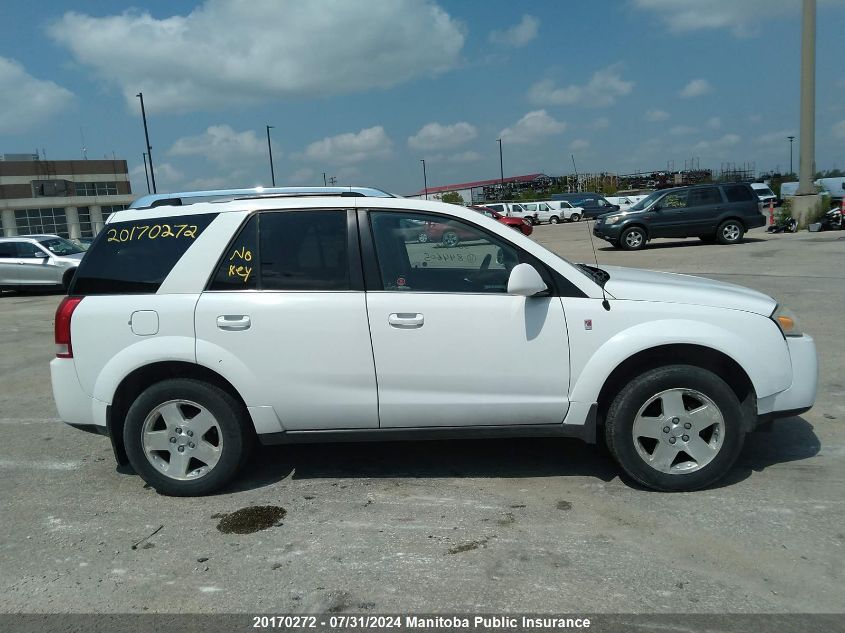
{"x": 714, "y": 213}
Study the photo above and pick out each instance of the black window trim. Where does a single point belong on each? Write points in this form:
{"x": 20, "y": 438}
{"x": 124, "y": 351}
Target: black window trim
{"x": 353, "y": 251}
{"x": 559, "y": 286}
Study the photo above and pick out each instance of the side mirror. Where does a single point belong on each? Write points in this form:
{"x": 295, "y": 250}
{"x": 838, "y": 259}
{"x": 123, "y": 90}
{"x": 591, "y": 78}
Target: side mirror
{"x": 40, "y": 255}
{"x": 525, "y": 281}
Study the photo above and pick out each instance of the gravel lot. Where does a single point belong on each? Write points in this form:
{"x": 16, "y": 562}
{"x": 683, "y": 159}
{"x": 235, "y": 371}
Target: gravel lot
{"x": 529, "y": 525}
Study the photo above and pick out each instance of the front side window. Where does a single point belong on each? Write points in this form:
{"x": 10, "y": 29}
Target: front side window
{"x": 452, "y": 257}
{"x": 676, "y": 200}
{"x": 28, "y": 250}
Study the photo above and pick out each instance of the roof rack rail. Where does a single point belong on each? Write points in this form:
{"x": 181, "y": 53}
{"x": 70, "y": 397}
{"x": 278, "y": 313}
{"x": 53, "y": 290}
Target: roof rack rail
{"x": 182, "y": 198}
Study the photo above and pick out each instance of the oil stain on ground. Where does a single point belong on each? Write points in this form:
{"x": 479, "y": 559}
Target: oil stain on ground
{"x": 564, "y": 505}
{"x": 471, "y": 545}
{"x": 251, "y": 519}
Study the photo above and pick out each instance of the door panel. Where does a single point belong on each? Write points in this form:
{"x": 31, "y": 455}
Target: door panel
{"x": 35, "y": 270}
{"x": 8, "y": 264}
{"x": 451, "y": 347}
{"x": 306, "y": 354}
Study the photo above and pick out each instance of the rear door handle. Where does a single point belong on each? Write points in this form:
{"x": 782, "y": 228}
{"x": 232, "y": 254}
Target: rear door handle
{"x": 406, "y": 320}
{"x": 233, "y": 322}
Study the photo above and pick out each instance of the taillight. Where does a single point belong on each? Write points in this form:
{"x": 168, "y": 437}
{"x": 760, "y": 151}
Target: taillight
{"x": 64, "y": 312}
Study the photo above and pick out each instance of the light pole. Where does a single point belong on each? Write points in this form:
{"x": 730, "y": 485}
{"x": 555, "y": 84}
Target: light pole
{"x": 140, "y": 95}
{"x": 501, "y": 165}
{"x": 791, "y": 138}
{"x": 425, "y": 180}
{"x": 325, "y": 184}
{"x": 270, "y": 150}
{"x": 146, "y": 173}
{"x": 807, "y": 134}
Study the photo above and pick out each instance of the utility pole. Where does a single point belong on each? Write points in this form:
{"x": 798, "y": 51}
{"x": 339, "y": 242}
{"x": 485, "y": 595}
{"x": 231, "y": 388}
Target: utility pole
{"x": 324, "y": 179}
{"x": 807, "y": 138}
{"x": 425, "y": 180}
{"x": 146, "y": 173}
{"x": 501, "y": 165}
{"x": 140, "y": 95}
{"x": 270, "y": 150}
{"x": 791, "y": 138}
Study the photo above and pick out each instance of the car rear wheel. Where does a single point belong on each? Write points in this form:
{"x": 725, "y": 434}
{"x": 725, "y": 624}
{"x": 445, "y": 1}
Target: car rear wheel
{"x": 632, "y": 239}
{"x": 675, "y": 428}
{"x": 554, "y": 219}
{"x": 575, "y": 217}
{"x": 186, "y": 437}
{"x": 450, "y": 239}
{"x": 730, "y": 232}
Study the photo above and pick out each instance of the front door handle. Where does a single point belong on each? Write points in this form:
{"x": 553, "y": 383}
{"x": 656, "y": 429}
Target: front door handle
{"x": 233, "y": 322}
{"x": 406, "y": 320}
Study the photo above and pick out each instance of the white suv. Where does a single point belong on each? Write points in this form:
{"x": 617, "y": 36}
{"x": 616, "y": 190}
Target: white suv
{"x": 191, "y": 331}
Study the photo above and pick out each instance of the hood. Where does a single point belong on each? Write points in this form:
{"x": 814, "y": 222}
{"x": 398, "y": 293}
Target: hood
{"x": 648, "y": 285}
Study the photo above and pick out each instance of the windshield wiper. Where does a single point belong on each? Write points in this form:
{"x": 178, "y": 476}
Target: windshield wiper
{"x": 596, "y": 274}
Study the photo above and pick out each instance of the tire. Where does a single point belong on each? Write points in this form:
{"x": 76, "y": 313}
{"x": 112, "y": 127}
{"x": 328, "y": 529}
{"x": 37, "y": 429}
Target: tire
{"x": 450, "y": 239}
{"x": 554, "y": 220}
{"x": 188, "y": 404}
{"x": 632, "y": 239}
{"x": 575, "y": 217}
{"x": 714, "y": 440}
{"x": 730, "y": 232}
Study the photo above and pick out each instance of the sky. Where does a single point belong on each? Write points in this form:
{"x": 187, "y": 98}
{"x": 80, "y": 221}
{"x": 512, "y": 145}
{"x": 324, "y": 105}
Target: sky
{"x": 364, "y": 89}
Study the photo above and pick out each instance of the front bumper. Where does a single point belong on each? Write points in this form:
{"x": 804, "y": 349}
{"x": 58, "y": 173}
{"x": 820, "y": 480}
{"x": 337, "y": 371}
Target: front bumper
{"x": 801, "y": 394}
{"x": 607, "y": 232}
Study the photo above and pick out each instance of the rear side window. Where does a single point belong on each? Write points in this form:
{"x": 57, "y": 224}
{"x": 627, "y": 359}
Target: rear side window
{"x": 738, "y": 193}
{"x": 136, "y": 256}
{"x": 239, "y": 268}
{"x": 7, "y": 249}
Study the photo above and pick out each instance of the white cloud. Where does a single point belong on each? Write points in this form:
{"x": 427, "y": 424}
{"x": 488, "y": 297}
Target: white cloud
{"x": 204, "y": 184}
{"x": 26, "y": 101}
{"x": 742, "y": 17}
{"x": 600, "y": 123}
{"x": 534, "y": 126}
{"x": 696, "y": 88}
{"x": 233, "y": 52}
{"x": 776, "y": 137}
{"x": 682, "y": 130}
{"x": 352, "y": 147}
{"x": 222, "y": 145}
{"x": 839, "y": 129}
{"x": 656, "y": 115}
{"x": 604, "y": 87}
{"x": 519, "y": 34}
{"x": 437, "y": 136}
{"x": 714, "y": 123}
{"x": 167, "y": 177}
{"x": 579, "y": 144}
{"x": 728, "y": 140}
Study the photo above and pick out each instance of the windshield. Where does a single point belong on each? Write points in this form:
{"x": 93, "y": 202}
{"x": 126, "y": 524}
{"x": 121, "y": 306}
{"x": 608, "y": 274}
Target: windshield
{"x": 764, "y": 191}
{"x": 60, "y": 246}
{"x": 647, "y": 201}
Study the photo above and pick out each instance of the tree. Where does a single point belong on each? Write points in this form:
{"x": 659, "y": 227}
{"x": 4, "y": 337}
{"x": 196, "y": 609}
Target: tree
{"x": 452, "y": 197}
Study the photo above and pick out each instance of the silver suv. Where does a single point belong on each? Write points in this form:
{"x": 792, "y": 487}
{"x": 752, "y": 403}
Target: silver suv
{"x": 38, "y": 261}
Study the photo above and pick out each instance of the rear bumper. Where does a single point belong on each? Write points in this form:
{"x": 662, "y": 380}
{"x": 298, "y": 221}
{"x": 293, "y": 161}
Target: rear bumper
{"x": 75, "y": 406}
{"x": 801, "y": 394}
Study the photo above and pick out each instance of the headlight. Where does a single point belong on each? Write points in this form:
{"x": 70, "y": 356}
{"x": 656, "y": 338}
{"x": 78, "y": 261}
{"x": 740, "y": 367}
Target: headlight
{"x": 613, "y": 219}
{"x": 787, "y": 321}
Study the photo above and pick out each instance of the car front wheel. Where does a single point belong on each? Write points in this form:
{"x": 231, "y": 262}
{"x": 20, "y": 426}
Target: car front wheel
{"x": 186, "y": 437}
{"x": 675, "y": 428}
{"x": 450, "y": 239}
{"x": 730, "y": 232}
{"x": 632, "y": 239}
{"x": 554, "y": 219}
{"x": 575, "y": 217}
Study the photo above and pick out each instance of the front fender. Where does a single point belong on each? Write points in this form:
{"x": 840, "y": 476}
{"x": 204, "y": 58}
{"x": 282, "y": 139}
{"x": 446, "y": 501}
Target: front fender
{"x": 761, "y": 352}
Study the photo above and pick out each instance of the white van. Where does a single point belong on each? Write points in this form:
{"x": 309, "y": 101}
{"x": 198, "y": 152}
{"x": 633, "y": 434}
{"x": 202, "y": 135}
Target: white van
{"x": 764, "y": 193}
{"x": 566, "y": 210}
{"x": 514, "y": 210}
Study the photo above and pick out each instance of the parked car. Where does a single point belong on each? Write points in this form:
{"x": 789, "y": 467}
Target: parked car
{"x": 523, "y": 226}
{"x": 764, "y": 194}
{"x": 593, "y": 204}
{"x": 722, "y": 213}
{"x": 514, "y": 210}
{"x": 566, "y": 210}
{"x": 548, "y": 211}
{"x": 192, "y": 331}
{"x": 37, "y": 261}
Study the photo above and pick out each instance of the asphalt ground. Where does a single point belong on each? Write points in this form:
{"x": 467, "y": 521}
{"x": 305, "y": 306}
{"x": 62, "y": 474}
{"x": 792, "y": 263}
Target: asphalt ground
{"x": 488, "y": 525}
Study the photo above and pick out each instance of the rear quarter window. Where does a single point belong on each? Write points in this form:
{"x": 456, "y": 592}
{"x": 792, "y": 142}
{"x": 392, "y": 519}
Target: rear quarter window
{"x": 739, "y": 193}
{"x": 136, "y": 256}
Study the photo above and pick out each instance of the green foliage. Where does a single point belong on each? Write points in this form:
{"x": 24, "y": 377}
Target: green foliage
{"x": 452, "y": 197}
